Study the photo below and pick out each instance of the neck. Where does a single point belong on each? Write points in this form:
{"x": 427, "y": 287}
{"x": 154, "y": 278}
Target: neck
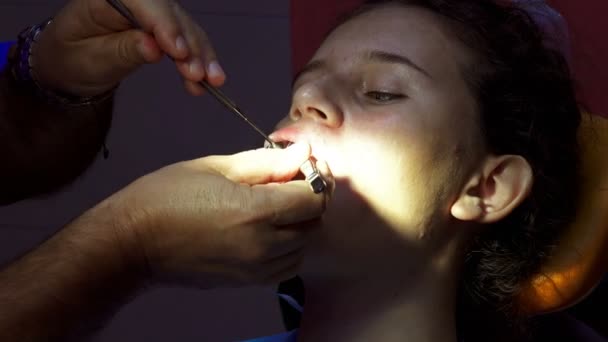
{"x": 415, "y": 308}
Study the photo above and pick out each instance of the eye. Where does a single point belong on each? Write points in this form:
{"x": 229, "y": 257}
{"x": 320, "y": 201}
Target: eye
{"x": 383, "y": 97}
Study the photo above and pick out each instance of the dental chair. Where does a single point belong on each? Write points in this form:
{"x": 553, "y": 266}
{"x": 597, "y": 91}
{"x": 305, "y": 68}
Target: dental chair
{"x": 580, "y": 263}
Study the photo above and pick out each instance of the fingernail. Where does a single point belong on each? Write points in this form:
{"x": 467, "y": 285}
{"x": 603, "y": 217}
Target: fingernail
{"x": 196, "y": 67}
{"x": 180, "y": 43}
{"x": 215, "y": 70}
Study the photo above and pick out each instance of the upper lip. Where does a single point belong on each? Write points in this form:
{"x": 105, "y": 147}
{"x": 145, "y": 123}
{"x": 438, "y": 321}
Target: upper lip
{"x": 288, "y": 134}
{"x": 303, "y": 133}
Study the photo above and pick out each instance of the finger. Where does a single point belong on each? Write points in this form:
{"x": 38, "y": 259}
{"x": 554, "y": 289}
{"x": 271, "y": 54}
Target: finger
{"x": 203, "y": 59}
{"x": 148, "y": 48}
{"x": 288, "y": 239}
{"x": 132, "y": 49}
{"x": 289, "y": 203}
{"x": 263, "y": 166}
{"x": 123, "y": 52}
{"x": 194, "y": 88}
{"x": 191, "y": 69}
{"x": 215, "y": 74}
{"x": 289, "y": 272}
{"x": 158, "y": 17}
{"x": 282, "y": 266}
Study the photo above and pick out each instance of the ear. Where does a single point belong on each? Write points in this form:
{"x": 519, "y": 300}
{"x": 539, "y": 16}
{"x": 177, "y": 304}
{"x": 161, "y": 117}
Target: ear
{"x": 495, "y": 190}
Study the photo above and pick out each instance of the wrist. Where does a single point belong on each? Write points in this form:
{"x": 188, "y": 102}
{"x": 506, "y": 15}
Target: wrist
{"x": 31, "y": 68}
{"x": 72, "y": 282}
{"x": 120, "y": 232}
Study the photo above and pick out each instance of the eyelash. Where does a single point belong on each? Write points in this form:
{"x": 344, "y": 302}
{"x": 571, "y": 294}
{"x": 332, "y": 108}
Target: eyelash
{"x": 383, "y": 97}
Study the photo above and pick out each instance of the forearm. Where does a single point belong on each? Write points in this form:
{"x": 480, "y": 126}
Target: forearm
{"x": 70, "y": 285}
{"x": 45, "y": 146}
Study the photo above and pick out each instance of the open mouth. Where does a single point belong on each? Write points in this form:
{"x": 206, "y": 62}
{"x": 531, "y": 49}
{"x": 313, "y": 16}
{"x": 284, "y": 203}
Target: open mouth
{"x": 308, "y": 170}
{"x": 278, "y": 144}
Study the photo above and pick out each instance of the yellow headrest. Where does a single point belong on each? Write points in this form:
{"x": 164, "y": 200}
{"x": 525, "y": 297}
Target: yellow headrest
{"x": 581, "y": 258}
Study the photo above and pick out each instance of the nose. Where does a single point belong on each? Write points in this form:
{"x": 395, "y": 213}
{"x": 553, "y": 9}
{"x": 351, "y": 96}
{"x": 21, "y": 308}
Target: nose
{"x": 314, "y": 102}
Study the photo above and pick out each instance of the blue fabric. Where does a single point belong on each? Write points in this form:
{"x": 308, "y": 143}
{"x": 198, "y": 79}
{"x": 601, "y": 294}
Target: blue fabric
{"x": 4, "y": 47}
{"x": 291, "y": 336}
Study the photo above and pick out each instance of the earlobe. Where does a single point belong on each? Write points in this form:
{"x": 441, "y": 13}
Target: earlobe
{"x": 492, "y": 194}
{"x": 469, "y": 206}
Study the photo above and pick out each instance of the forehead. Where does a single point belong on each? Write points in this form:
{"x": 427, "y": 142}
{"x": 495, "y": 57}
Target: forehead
{"x": 405, "y": 30}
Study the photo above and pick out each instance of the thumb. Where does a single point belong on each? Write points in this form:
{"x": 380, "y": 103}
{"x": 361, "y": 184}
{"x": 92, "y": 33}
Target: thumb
{"x": 130, "y": 49}
{"x": 263, "y": 165}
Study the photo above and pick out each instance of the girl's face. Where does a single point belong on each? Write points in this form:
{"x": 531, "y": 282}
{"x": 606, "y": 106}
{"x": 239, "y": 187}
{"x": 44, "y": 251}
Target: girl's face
{"x": 384, "y": 101}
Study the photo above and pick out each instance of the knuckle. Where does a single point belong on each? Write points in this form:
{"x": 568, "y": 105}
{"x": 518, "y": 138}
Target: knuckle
{"x": 123, "y": 52}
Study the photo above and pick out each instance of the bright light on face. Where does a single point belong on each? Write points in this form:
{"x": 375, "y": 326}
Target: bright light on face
{"x": 384, "y": 103}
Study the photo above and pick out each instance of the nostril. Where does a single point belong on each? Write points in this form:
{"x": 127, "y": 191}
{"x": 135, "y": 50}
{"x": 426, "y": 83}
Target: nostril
{"x": 320, "y": 113}
{"x": 297, "y": 115}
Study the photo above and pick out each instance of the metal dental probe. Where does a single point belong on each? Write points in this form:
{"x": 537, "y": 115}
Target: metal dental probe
{"x": 314, "y": 179}
{"x": 221, "y": 97}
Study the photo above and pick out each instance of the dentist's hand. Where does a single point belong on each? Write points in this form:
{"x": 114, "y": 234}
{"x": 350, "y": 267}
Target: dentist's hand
{"x": 89, "y": 47}
{"x": 222, "y": 220}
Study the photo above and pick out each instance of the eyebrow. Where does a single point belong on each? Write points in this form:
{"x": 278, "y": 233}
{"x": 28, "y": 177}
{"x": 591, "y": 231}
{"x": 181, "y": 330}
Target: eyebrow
{"x": 387, "y": 57}
{"x": 373, "y": 55}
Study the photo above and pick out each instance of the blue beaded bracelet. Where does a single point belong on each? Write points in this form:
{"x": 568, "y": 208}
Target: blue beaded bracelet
{"x": 4, "y": 51}
{"x": 22, "y": 71}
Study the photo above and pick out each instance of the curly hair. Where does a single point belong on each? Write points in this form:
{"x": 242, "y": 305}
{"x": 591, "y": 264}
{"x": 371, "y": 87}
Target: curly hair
{"x": 528, "y": 107}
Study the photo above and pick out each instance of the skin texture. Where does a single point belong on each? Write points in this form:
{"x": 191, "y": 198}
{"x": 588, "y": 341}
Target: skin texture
{"x": 414, "y": 179}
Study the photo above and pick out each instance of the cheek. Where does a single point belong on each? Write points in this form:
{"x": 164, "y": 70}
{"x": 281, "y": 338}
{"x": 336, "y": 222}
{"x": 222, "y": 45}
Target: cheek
{"x": 398, "y": 171}
{"x": 285, "y": 121}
